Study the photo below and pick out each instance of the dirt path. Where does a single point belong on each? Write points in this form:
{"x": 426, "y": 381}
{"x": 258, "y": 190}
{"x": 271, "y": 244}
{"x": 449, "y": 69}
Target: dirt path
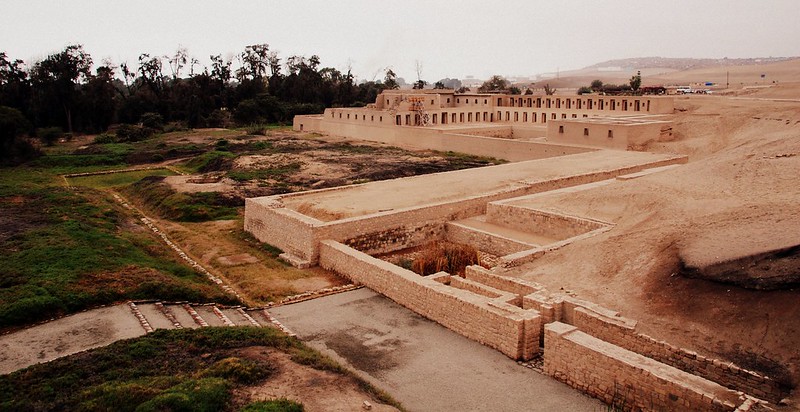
{"x": 65, "y": 336}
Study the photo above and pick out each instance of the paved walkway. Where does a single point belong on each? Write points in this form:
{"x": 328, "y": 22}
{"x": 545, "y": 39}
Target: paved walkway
{"x": 422, "y": 364}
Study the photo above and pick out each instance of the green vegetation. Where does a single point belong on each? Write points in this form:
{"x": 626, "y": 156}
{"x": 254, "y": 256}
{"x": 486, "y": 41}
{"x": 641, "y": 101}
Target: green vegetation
{"x": 181, "y": 369}
{"x": 210, "y": 161}
{"x": 65, "y": 250}
{"x": 103, "y": 181}
{"x": 458, "y": 161}
{"x": 183, "y": 207}
{"x": 267, "y": 173}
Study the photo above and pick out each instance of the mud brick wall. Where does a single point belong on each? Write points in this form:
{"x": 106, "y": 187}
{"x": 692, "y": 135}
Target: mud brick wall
{"x": 487, "y": 242}
{"x": 550, "y": 224}
{"x": 283, "y": 228}
{"x": 396, "y": 238}
{"x": 625, "y": 379}
{"x": 507, "y": 328}
{"x": 724, "y": 373}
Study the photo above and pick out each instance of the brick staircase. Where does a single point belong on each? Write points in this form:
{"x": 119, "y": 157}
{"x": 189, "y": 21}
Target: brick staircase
{"x": 153, "y": 315}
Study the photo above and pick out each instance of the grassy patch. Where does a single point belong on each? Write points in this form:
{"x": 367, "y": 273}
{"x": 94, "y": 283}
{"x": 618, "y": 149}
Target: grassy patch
{"x": 267, "y": 173}
{"x": 103, "y": 181}
{"x": 459, "y": 160}
{"x": 65, "y": 250}
{"x": 181, "y": 369}
{"x": 209, "y": 162}
{"x": 184, "y": 207}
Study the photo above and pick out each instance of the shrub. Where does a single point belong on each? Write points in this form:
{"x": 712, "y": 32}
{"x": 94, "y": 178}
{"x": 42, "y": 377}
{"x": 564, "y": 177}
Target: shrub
{"x": 445, "y": 257}
{"x": 49, "y": 135}
{"x": 133, "y": 133}
{"x": 152, "y": 121}
{"x": 104, "y": 138}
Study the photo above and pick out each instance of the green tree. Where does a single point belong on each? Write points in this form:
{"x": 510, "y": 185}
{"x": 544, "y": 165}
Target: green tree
{"x": 495, "y": 84}
{"x": 419, "y": 84}
{"x": 596, "y": 85}
{"x": 438, "y": 85}
{"x": 549, "y": 90}
{"x": 390, "y": 80}
{"x": 636, "y": 81}
{"x": 514, "y": 90}
{"x": 56, "y": 79}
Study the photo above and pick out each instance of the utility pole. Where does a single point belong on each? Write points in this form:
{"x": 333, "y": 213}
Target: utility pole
{"x": 727, "y": 79}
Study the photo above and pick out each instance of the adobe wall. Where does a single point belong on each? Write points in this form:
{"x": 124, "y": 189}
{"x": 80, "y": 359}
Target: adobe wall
{"x": 610, "y": 134}
{"x": 609, "y": 326}
{"x": 724, "y": 373}
{"x": 625, "y": 379}
{"x": 439, "y": 139}
{"x": 269, "y": 222}
{"x": 488, "y": 242}
{"x": 549, "y": 224}
{"x": 507, "y": 328}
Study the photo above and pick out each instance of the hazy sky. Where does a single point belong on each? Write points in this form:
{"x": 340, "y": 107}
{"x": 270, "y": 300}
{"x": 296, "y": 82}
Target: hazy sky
{"x": 448, "y": 38}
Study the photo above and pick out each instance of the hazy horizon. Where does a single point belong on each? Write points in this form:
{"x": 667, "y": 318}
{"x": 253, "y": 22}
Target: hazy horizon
{"x": 448, "y": 38}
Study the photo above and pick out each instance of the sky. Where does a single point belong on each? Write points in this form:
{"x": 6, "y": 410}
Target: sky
{"x": 444, "y": 38}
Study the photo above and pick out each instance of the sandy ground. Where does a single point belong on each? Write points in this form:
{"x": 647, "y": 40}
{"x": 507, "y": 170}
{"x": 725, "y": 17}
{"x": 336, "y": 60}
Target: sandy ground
{"x": 316, "y": 390}
{"x": 65, "y": 336}
{"x": 422, "y": 364}
{"x": 738, "y": 195}
{"x": 420, "y": 190}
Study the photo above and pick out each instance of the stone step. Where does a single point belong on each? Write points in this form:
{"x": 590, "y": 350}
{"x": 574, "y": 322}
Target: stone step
{"x": 239, "y": 317}
{"x": 155, "y": 316}
{"x": 182, "y": 316}
{"x": 206, "y": 312}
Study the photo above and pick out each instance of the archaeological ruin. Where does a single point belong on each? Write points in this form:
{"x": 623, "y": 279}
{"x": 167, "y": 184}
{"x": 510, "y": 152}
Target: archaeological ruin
{"x": 555, "y": 145}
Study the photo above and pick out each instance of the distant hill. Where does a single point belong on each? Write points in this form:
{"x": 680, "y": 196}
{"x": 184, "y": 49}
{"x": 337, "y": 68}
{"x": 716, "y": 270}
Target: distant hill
{"x": 678, "y": 63}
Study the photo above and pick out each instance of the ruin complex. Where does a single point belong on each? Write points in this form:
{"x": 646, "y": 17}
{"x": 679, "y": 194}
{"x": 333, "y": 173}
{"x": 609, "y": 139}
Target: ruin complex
{"x": 555, "y": 144}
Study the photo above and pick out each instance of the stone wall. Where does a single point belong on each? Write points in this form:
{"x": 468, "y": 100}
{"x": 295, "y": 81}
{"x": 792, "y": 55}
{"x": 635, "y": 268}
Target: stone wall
{"x": 610, "y": 326}
{"x": 270, "y": 222}
{"x": 438, "y": 139}
{"x": 492, "y": 322}
{"x": 484, "y": 241}
{"x": 620, "y": 333}
{"x": 550, "y": 224}
{"x": 625, "y": 379}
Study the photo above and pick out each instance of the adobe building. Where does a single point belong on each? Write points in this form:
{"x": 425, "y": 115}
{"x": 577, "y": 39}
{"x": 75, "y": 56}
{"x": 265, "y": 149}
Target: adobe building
{"x": 397, "y": 115}
{"x": 555, "y": 145}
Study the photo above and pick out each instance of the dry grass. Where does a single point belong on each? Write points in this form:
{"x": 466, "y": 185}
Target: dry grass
{"x": 445, "y": 257}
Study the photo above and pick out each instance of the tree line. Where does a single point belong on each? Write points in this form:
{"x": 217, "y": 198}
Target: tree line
{"x": 64, "y": 91}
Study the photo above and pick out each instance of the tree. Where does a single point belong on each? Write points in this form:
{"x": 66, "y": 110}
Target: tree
{"x": 549, "y": 90}
{"x": 438, "y": 85}
{"x": 495, "y": 84}
{"x": 514, "y": 90}
{"x": 597, "y": 85}
{"x": 255, "y": 60}
{"x": 15, "y": 87}
{"x": 390, "y": 80}
{"x": 584, "y": 90}
{"x": 419, "y": 84}
{"x": 636, "y": 81}
{"x": 462, "y": 89}
{"x": 178, "y": 61}
{"x": 57, "y": 78}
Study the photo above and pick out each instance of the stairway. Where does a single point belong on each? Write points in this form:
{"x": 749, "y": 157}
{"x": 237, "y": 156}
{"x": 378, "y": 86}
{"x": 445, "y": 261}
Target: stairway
{"x": 160, "y": 315}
